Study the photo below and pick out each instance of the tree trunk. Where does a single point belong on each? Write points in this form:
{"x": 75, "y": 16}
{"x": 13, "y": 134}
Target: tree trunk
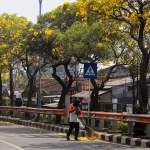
{"x": 65, "y": 87}
{"x": 61, "y": 104}
{"x": 94, "y": 97}
{"x": 139, "y": 129}
{"x": 31, "y": 88}
{"x": 30, "y": 91}
{"x": 11, "y": 87}
{"x": 142, "y": 82}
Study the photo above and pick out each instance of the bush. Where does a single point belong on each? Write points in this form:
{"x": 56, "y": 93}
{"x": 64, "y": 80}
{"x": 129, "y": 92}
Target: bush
{"x": 62, "y": 119}
{"x": 53, "y": 118}
{"x": 139, "y": 128}
{"x": 123, "y": 126}
{"x": 4, "y": 101}
{"x": 108, "y": 124}
{"x": 139, "y": 110}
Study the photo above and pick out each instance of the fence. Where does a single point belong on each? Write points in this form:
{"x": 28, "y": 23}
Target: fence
{"x": 93, "y": 115}
{"x": 61, "y": 112}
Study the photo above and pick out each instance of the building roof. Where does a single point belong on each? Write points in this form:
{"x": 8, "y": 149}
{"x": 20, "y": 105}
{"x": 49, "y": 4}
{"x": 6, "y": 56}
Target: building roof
{"x": 85, "y": 94}
{"x": 118, "y": 81}
{"x": 52, "y": 96}
{"x": 51, "y": 85}
{"x": 51, "y": 105}
{"x": 117, "y": 72}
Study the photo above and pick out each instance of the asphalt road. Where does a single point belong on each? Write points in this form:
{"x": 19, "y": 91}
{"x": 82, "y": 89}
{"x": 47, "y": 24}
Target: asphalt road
{"x": 15, "y": 137}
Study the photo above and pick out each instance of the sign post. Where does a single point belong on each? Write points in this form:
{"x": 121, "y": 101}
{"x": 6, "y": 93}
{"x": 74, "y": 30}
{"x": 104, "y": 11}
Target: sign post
{"x": 90, "y": 72}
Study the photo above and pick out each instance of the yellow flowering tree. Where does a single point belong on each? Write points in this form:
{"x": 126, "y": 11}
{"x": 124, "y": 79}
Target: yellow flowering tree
{"x": 61, "y": 17}
{"x": 85, "y": 42}
{"x": 20, "y": 49}
{"x": 133, "y": 18}
{"x": 7, "y": 58}
{"x": 86, "y": 38}
{"x": 46, "y": 42}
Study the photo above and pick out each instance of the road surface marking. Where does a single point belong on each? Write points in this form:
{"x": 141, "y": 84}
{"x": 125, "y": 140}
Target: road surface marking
{"x": 12, "y": 145}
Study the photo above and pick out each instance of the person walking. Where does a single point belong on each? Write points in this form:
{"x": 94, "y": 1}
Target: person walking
{"x": 74, "y": 111}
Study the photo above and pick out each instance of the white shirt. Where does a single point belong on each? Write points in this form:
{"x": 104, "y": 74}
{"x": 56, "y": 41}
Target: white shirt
{"x": 73, "y": 117}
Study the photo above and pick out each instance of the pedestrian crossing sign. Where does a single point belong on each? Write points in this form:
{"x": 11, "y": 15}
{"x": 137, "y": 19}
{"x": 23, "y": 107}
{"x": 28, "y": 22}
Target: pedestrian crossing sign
{"x": 90, "y": 70}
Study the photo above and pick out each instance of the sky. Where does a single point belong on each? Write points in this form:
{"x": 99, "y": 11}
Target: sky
{"x": 29, "y": 8}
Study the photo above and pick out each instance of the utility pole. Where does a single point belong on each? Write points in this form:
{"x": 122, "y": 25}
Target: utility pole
{"x": 39, "y": 75}
{"x": 39, "y": 65}
{"x": 40, "y": 7}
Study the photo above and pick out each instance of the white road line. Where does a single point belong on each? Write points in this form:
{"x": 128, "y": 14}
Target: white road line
{"x": 12, "y": 145}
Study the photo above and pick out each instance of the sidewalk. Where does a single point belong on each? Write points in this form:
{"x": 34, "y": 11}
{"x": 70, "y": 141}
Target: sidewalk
{"x": 63, "y": 129}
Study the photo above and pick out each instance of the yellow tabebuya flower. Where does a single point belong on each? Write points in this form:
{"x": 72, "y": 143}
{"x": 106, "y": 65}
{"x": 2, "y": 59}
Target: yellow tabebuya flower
{"x": 120, "y": 59}
{"x": 30, "y": 30}
{"x": 105, "y": 63}
{"x": 4, "y": 45}
{"x": 99, "y": 45}
{"x": 53, "y": 16}
{"x": 129, "y": 59}
{"x": 33, "y": 39}
{"x": 136, "y": 59}
{"x": 130, "y": 43}
{"x": 35, "y": 33}
{"x": 48, "y": 32}
{"x": 107, "y": 39}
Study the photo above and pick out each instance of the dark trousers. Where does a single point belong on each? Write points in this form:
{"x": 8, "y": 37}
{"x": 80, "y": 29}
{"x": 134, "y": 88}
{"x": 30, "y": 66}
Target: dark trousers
{"x": 74, "y": 125}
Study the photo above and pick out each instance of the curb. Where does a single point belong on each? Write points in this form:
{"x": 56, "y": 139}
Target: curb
{"x": 123, "y": 140}
{"x": 44, "y": 126}
{"x": 63, "y": 129}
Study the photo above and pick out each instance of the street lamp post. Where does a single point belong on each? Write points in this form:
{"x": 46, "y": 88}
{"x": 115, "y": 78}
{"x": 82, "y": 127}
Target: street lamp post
{"x": 39, "y": 75}
{"x": 40, "y": 7}
{"x": 39, "y": 65}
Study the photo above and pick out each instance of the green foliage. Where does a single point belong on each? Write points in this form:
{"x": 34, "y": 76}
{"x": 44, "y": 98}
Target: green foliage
{"x": 33, "y": 115}
{"x": 44, "y": 69}
{"x": 53, "y": 118}
{"x": 139, "y": 128}
{"x": 4, "y": 101}
{"x": 82, "y": 41}
{"x": 22, "y": 114}
{"x": 123, "y": 126}
{"x": 108, "y": 124}
{"x": 62, "y": 119}
{"x": 22, "y": 79}
{"x": 139, "y": 110}
{"x": 61, "y": 17}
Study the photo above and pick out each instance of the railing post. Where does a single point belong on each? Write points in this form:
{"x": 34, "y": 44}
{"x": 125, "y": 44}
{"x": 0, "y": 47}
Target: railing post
{"x": 67, "y": 104}
{"x": 130, "y": 124}
{"x": 49, "y": 118}
{"x": 101, "y": 122}
{"x": 44, "y": 116}
{"x": 92, "y": 122}
{"x": 114, "y": 125}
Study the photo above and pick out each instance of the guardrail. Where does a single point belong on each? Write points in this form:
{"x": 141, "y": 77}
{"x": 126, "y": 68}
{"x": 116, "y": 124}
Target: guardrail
{"x": 125, "y": 117}
{"x": 140, "y": 118}
{"x": 92, "y": 115}
{"x": 61, "y": 112}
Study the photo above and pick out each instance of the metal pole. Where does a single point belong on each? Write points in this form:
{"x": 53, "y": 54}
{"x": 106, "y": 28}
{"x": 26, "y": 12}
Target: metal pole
{"x": 39, "y": 75}
{"x": 89, "y": 103}
{"x": 40, "y": 7}
{"x": 39, "y": 65}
